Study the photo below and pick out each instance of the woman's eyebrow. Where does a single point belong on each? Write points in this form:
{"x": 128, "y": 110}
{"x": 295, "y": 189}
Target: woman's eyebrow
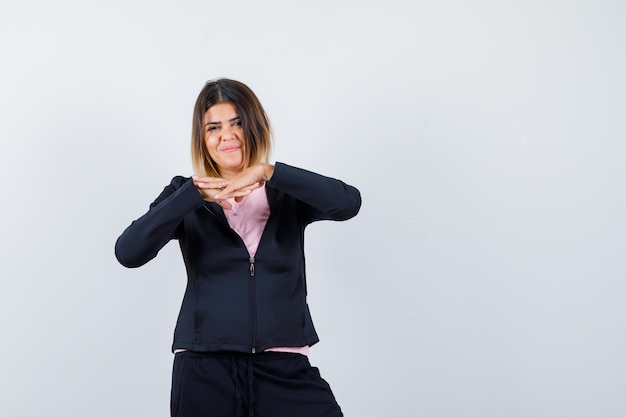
{"x": 217, "y": 123}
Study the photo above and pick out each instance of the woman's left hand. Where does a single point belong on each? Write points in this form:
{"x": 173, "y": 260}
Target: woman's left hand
{"x": 247, "y": 180}
{"x": 209, "y": 187}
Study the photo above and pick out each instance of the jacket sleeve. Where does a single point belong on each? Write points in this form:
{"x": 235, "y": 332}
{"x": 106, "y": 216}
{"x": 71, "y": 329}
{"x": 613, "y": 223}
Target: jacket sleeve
{"x": 142, "y": 240}
{"x": 324, "y": 198}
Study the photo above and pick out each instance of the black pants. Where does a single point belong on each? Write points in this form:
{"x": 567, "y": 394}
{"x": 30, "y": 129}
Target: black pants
{"x": 268, "y": 384}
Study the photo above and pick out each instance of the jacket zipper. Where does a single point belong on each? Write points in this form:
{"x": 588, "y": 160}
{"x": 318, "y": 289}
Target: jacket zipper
{"x": 253, "y": 302}
{"x": 252, "y": 266}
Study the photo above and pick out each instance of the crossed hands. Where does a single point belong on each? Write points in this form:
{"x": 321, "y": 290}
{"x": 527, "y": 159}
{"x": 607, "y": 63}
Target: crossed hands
{"x": 219, "y": 190}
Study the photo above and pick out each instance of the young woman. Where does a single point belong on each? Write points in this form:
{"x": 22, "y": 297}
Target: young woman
{"x": 244, "y": 329}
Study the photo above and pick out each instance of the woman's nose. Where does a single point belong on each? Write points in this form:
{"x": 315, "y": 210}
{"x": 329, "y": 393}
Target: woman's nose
{"x": 228, "y": 132}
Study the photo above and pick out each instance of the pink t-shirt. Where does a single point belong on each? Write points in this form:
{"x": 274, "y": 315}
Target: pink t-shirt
{"x": 248, "y": 218}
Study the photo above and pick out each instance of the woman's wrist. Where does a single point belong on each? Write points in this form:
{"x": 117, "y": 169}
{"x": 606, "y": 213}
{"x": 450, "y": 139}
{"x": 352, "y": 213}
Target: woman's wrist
{"x": 268, "y": 171}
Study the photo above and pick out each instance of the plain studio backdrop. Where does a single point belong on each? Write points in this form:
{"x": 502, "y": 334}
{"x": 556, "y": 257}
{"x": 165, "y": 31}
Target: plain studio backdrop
{"x": 485, "y": 274}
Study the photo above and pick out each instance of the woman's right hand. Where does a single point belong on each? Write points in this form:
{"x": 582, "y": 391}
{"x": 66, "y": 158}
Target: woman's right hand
{"x": 209, "y": 187}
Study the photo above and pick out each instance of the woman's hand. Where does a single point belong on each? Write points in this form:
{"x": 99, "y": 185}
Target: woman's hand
{"x": 219, "y": 190}
{"x": 245, "y": 182}
{"x": 209, "y": 187}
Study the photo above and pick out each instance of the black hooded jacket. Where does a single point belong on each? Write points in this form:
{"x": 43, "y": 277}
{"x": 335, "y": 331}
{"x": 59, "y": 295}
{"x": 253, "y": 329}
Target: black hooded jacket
{"x": 234, "y": 302}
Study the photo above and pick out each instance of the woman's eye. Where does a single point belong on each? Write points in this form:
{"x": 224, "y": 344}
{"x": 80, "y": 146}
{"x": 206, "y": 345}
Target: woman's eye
{"x": 211, "y": 128}
{"x": 237, "y": 123}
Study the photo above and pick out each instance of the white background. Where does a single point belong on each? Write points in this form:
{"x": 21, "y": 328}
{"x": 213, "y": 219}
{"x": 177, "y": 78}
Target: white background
{"x": 484, "y": 275}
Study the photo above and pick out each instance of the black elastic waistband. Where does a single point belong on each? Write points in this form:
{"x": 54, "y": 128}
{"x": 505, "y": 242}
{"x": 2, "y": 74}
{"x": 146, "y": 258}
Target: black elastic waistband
{"x": 260, "y": 356}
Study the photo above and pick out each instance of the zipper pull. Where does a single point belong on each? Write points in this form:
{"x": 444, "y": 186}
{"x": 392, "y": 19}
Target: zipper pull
{"x": 252, "y": 266}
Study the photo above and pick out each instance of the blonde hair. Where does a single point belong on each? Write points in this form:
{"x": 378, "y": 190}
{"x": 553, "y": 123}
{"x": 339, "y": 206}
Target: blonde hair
{"x": 255, "y": 124}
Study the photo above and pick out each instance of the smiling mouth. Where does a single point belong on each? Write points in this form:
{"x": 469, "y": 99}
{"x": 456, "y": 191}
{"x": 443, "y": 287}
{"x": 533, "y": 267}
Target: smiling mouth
{"x": 230, "y": 149}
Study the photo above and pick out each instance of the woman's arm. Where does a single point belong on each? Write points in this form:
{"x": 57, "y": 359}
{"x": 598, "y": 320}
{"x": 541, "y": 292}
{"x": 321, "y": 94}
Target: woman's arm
{"x": 327, "y": 198}
{"x": 142, "y": 240}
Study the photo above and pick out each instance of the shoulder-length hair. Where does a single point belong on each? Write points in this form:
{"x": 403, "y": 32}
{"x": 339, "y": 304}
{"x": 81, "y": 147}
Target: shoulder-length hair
{"x": 256, "y": 127}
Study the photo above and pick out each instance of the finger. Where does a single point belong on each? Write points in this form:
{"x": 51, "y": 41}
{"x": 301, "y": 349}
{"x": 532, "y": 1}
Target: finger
{"x": 250, "y": 187}
{"x": 209, "y": 182}
{"x": 206, "y": 186}
{"x": 232, "y": 190}
{"x": 206, "y": 179}
{"x": 233, "y": 194}
{"x": 197, "y": 178}
{"x": 224, "y": 204}
{"x": 253, "y": 186}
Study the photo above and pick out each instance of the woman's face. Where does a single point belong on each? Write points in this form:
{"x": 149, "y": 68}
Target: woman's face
{"x": 223, "y": 137}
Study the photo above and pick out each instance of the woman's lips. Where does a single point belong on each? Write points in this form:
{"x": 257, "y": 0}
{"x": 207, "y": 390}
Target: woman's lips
{"x": 230, "y": 149}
